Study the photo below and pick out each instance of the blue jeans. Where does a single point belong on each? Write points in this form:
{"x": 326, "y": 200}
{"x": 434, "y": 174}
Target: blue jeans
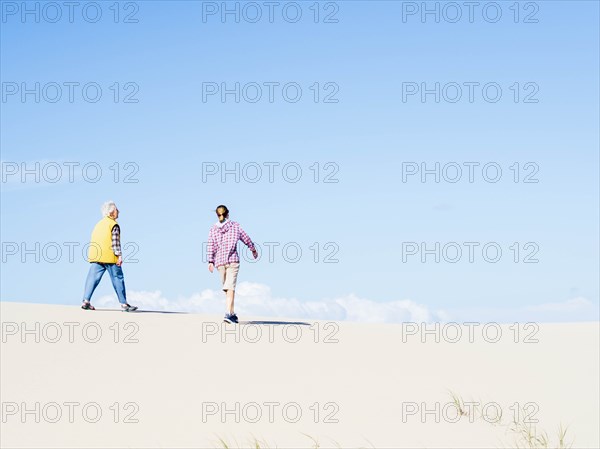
{"x": 95, "y": 274}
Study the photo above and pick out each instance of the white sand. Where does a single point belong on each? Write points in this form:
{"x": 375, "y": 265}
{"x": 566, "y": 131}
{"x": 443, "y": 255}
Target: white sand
{"x": 364, "y": 381}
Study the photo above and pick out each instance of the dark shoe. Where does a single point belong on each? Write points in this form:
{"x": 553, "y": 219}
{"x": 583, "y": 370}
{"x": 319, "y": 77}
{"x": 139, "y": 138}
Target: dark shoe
{"x": 128, "y": 308}
{"x": 87, "y": 306}
{"x": 234, "y": 318}
{"x": 228, "y": 319}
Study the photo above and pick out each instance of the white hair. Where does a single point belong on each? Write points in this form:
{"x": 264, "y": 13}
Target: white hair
{"x": 108, "y": 207}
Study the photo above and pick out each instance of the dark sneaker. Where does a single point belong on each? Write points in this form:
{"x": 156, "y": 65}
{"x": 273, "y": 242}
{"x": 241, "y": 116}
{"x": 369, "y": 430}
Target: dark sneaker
{"x": 129, "y": 308}
{"x": 228, "y": 319}
{"x": 87, "y": 306}
{"x": 234, "y": 318}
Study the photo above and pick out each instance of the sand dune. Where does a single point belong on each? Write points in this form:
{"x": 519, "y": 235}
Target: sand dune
{"x": 155, "y": 380}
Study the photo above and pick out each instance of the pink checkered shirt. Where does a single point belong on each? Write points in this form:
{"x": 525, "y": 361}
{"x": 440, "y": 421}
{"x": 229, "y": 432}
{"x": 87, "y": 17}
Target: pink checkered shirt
{"x": 222, "y": 243}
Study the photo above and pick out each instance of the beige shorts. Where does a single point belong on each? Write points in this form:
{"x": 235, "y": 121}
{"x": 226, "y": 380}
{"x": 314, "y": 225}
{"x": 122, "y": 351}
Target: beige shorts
{"x": 229, "y": 273}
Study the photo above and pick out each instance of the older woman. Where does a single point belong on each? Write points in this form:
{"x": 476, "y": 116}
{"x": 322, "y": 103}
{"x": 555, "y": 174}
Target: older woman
{"x": 104, "y": 254}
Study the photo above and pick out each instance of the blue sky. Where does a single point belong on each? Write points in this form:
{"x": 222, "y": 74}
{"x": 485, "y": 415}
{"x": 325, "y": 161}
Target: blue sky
{"x": 170, "y": 135}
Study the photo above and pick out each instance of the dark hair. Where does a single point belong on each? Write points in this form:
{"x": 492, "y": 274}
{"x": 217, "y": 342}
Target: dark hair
{"x": 222, "y": 206}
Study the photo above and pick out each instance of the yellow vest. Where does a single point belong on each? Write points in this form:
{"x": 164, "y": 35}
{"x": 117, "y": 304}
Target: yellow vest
{"x": 100, "y": 249}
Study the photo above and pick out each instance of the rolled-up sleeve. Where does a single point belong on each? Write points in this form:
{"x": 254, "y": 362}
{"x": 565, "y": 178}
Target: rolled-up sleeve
{"x": 116, "y": 240}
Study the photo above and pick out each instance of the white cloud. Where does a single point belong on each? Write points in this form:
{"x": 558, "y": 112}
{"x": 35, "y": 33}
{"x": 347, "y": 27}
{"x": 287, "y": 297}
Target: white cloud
{"x": 571, "y": 305}
{"x": 570, "y": 310}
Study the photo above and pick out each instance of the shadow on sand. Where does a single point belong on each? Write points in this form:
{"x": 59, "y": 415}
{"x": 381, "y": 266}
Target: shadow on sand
{"x": 298, "y": 323}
